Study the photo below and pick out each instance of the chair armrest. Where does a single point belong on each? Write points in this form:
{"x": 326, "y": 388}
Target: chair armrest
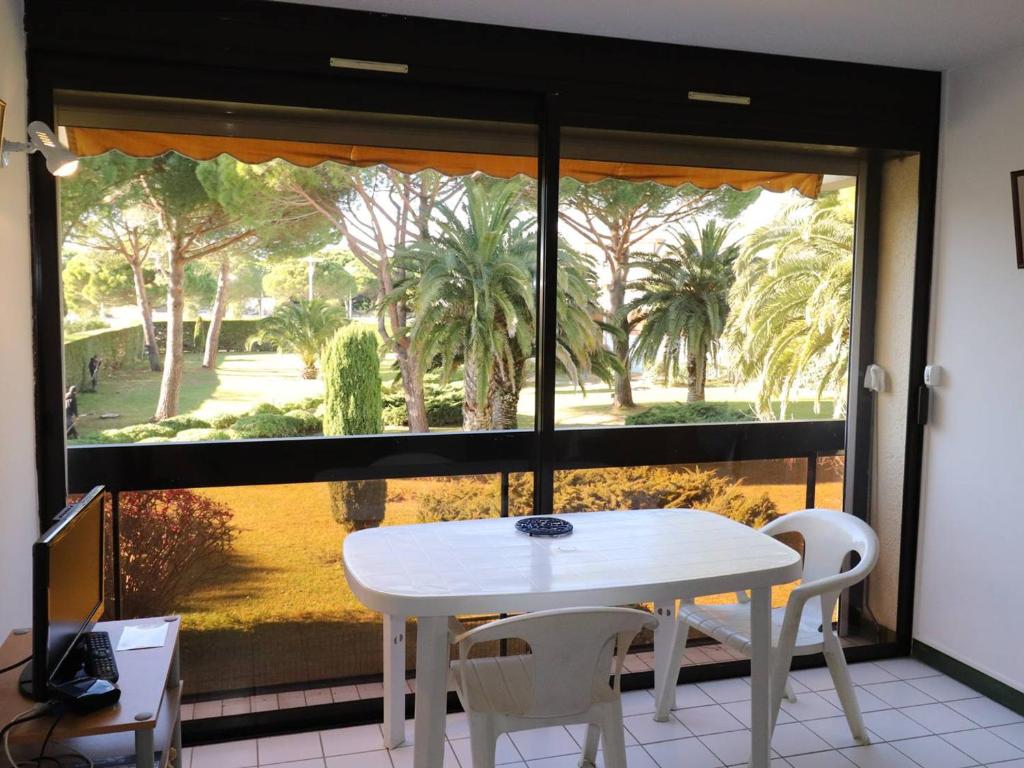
{"x": 836, "y": 583}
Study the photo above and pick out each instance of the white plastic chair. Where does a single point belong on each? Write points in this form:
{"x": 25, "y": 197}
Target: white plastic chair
{"x": 804, "y": 626}
{"x": 564, "y": 680}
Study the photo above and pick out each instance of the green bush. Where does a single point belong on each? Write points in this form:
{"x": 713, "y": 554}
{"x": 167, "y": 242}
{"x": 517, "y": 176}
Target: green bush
{"x": 185, "y": 421}
{"x": 305, "y": 404}
{"x": 352, "y": 392}
{"x": 689, "y": 413}
{"x": 264, "y": 408}
{"x": 224, "y": 420}
{"x": 195, "y": 435}
{"x": 267, "y": 425}
{"x": 459, "y": 499}
{"x": 137, "y": 433}
{"x": 311, "y": 424}
{"x": 233, "y": 335}
{"x": 112, "y": 347}
{"x": 352, "y": 406}
{"x": 588, "y": 490}
{"x": 443, "y": 404}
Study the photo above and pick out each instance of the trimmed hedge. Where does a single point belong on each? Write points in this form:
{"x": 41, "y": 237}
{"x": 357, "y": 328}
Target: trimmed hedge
{"x": 184, "y": 421}
{"x": 136, "y": 433}
{"x": 195, "y": 435}
{"x": 444, "y": 406}
{"x": 689, "y": 413}
{"x": 112, "y": 347}
{"x": 268, "y": 425}
{"x": 233, "y": 335}
{"x": 586, "y": 490}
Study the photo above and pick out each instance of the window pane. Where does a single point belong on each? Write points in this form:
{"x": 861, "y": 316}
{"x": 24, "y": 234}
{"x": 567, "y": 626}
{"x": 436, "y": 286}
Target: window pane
{"x": 256, "y": 573}
{"x": 723, "y": 293}
{"x": 238, "y": 286}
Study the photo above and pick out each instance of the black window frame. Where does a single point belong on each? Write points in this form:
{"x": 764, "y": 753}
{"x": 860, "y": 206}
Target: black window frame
{"x": 241, "y": 55}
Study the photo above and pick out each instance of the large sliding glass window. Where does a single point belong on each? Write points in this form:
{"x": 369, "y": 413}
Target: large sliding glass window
{"x": 284, "y": 325}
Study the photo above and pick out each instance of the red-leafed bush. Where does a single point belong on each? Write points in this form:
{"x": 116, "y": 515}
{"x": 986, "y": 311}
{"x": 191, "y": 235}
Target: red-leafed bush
{"x": 170, "y": 542}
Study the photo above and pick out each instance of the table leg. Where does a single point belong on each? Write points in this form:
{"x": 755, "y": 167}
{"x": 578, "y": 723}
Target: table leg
{"x": 663, "y": 634}
{"x": 431, "y": 690}
{"x": 176, "y": 741}
{"x": 394, "y": 680}
{"x": 144, "y": 754}
{"x": 760, "y": 677}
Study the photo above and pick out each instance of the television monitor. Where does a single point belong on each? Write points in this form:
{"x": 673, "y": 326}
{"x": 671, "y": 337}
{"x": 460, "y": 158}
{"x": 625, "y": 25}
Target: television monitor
{"x": 67, "y": 591}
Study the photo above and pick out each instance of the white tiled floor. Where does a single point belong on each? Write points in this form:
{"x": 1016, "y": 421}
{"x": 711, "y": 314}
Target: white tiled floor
{"x": 917, "y": 717}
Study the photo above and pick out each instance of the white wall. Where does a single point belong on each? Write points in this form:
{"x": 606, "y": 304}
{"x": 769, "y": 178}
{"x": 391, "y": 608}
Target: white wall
{"x": 971, "y": 552}
{"x": 18, "y": 505}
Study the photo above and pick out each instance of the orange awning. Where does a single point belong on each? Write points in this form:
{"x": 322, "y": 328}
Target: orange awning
{"x": 88, "y": 142}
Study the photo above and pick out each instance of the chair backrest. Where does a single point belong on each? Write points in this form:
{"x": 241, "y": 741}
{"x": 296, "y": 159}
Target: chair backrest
{"x": 570, "y": 652}
{"x": 829, "y": 536}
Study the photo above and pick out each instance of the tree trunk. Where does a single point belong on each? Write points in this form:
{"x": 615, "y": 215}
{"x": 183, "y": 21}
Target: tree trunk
{"x": 220, "y": 308}
{"x": 505, "y": 398}
{"x": 148, "y": 329}
{"x": 476, "y": 411}
{"x": 694, "y": 379}
{"x": 670, "y": 362}
{"x": 412, "y": 387}
{"x": 620, "y": 346}
{"x": 174, "y": 357}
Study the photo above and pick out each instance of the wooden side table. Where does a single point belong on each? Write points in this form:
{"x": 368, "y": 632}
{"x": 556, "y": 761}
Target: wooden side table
{"x": 145, "y": 723}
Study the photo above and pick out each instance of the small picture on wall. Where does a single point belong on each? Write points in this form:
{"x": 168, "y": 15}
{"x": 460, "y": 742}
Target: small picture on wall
{"x": 1017, "y": 182}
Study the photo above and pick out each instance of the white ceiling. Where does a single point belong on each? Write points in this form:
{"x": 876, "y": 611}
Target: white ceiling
{"x": 927, "y": 34}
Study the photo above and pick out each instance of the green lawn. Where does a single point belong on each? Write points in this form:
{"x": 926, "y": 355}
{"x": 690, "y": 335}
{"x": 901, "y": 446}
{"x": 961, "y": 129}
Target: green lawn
{"x": 241, "y": 380}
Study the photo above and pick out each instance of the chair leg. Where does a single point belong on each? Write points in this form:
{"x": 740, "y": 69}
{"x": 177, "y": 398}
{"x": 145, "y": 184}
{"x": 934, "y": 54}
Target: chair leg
{"x": 613, "y": 737}
{"x": 673, "y": 660}
{"x": 589, "y": 757}
{"x": 483, "y": 741}
{"x": 844, "y": 687}
{"x": 788, "y": 694}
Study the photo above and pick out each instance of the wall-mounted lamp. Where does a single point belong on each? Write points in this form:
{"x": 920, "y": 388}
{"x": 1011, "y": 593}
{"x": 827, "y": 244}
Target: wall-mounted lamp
{"x": 60, "y": 161}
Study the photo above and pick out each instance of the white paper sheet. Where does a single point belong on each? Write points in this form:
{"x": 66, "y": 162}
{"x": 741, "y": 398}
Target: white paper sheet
{"x": 136, "y": 636}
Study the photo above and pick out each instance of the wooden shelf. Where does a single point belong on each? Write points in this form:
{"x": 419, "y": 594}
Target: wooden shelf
{"x": 150, "y": 701}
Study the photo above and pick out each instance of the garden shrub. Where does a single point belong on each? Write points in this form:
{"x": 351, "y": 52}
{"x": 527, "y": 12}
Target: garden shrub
{"x": 443, "y": 404}
{"x": 305, "y": 404}
{"x": 137, "y": 433}
{"x": 184, "y": 421}
{"x": 224, "y": 420}
{"x": 588, "y": 490}
{"x": 352, "y": 406}
{"x": 689, "y": 413}
{"x": 112, "y": 347}
{"x": 195, "y": 435}
{"x": 233, "y": 335}
{"x": 459, "y": 498}
{"x": 263, "y": 408}
{"x": 264, "y": 425}
{"x": 311, "y": 424}
{"x": 171, "y": 541}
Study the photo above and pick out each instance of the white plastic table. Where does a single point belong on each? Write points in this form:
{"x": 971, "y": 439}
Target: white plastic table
{"x": 433, "y": 571}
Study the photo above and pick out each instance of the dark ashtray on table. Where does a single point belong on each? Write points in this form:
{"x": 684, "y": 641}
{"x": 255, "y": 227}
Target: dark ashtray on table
{"x": 544, "y": 526}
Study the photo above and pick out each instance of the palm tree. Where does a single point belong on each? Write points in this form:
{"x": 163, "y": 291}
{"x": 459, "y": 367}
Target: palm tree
{"x": 300, "y": 326}
{"x": 793, "y": 289}
{"x": 471, "y": 286}
{"x": 682, "y": 303}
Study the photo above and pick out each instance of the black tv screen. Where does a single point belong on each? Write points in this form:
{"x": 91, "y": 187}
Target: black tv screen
{"x": 67, "y": 588}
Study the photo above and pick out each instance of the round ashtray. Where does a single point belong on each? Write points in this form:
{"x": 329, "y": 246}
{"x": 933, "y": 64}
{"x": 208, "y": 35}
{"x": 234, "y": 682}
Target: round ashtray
{"x": 544, "y": 526}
